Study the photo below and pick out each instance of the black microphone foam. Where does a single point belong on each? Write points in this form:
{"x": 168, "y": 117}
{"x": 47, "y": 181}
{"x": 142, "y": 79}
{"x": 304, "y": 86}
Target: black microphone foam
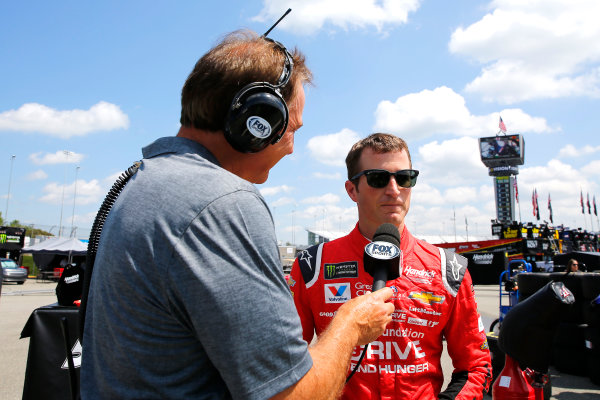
{"x": 382, "y": 256}
{"x": 387, "y": 233}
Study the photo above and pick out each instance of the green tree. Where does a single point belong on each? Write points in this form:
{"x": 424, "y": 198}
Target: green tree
{"x": 30, "y": 230}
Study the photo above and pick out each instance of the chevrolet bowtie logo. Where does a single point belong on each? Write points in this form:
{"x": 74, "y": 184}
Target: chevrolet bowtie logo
{"x": 427, "y": 297}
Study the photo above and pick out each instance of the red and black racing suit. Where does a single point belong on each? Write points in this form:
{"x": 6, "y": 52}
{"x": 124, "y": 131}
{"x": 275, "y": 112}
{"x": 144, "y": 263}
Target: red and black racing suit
{"x": 433, "y": 298}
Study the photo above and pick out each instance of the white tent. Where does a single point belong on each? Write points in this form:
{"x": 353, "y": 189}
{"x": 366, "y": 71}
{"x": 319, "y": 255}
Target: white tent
{"x": 50, "y": 252}
{"x": 58, "y": 245}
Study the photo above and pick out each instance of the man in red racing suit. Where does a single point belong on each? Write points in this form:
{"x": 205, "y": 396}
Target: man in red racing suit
{"x": 433, "y": 300}
{"x": 433, "y": 296}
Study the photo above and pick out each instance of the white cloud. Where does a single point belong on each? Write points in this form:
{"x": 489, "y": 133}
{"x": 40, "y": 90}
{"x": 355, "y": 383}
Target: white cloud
{"x": 34, "y": 117}
{"x": 332, "y": 149}
{"x": 37, "y": 175}
{"x": 271, "y": 191}
{"x": 111, "y": 179}
{"x": 563, "y": 183}
{"x": 425, "y": 194}
{"x": 460, "y": 194}
{"x": 87, "y": 193}
{"x": 283, "y": 201}
{"x": 327, "y": 198}
{"x": 85, "y": 219}
{"x": 309, "y": 16}
{"x": 329, "y": 217}
{"x": 443, "y": 111}
{"x": 569, "y": 151}
{"x": 322, "y": 175}
{"x": 451, "y": 162}
{"x": 591, "y": 170}
{"x": 60, "y": 157}
{"x": 534, "y": 49}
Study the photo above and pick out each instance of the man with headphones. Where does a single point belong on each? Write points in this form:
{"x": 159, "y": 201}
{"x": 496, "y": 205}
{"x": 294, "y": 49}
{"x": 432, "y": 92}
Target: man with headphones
{"x": 187, "y": 298}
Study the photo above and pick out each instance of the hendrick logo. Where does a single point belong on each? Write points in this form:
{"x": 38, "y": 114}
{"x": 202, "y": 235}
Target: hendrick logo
{"x": 382, "y": 250}
{"x": 419, "y": 273}
{"x": 258, "y": 127}
{"x": 483, "y": 258}
{"x": 341, "y": 270}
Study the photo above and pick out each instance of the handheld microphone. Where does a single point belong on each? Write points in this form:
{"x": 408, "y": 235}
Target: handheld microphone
{"x": 382, "y": 260}
{"x": 382, "y": 256}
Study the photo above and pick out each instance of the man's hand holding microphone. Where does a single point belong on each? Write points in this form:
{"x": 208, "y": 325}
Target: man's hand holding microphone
{"x": 358, "y": 322}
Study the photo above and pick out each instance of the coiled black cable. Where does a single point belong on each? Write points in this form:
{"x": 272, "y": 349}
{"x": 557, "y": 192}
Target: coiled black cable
{"x": 101, "y": 216}
{"x": 362, "y": 355}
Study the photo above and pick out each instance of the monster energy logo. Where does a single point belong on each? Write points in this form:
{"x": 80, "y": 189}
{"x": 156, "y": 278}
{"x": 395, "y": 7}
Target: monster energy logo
{"x": 330, "y": 270}
{"x": 341, "y": 270}
{"x": 4, "y": 238}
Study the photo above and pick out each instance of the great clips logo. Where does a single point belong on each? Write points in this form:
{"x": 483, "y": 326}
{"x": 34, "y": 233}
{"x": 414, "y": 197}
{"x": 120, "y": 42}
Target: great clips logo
{"x": 337, "y": 292}
{"x": 382, "y": 250}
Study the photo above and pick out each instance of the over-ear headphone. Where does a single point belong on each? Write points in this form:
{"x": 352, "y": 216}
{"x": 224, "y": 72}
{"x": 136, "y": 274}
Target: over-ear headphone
{"x": 258, "y": 115}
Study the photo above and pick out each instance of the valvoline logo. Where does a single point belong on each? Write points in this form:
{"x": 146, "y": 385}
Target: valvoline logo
{"x": 382, "y": 250}
{"x": 337, "y": 292}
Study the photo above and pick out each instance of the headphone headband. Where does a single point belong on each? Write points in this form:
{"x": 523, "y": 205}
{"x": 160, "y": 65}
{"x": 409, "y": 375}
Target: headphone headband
{"x": 288, "y": 65}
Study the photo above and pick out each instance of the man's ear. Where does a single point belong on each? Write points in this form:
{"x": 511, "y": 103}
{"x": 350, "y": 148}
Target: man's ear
{"x": 352, "y": 191}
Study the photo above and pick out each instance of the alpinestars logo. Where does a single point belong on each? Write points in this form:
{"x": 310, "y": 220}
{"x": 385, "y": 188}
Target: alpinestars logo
{"x": 337, "y": 292}
{"x": 455, "y": 268}
{"x": 305, "y": 256}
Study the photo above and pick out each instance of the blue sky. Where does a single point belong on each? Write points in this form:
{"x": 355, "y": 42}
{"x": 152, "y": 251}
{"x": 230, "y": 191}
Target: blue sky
{"x": 84, "y": 85}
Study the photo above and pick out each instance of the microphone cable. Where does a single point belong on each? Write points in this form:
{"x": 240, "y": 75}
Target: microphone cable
{"x": 94, "y": 240}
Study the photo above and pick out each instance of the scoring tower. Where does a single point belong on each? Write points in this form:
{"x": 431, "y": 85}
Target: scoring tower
{"x": 502, "y": 154}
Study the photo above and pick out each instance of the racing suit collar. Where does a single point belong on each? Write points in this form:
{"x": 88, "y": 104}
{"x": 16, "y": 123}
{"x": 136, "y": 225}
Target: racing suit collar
{"x": 407, "y": 240}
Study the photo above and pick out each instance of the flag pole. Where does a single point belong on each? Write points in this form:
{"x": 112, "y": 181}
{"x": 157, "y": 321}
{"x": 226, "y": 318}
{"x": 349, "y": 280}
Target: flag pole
{"x": 582, "y": 208}
{"x": 516, "y": 187}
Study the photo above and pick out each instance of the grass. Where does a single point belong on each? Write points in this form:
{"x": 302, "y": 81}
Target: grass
{"x": 27, "y": 261}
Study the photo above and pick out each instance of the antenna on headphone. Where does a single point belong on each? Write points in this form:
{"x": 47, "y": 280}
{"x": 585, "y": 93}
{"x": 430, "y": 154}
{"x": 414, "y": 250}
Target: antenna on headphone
{"x": 278, "y": 21}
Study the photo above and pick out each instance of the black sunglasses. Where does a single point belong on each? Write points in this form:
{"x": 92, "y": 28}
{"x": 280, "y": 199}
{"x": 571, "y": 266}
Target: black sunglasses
{"x": 379, "y": 178}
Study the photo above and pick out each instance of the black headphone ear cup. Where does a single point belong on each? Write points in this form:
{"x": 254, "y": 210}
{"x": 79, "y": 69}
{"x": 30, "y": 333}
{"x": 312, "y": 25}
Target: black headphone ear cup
{"x": 258, "y": 116}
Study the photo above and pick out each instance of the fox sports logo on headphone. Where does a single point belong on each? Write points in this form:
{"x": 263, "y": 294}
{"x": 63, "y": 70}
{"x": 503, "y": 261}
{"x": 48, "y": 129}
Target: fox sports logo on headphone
{"x": 258, "y": 127}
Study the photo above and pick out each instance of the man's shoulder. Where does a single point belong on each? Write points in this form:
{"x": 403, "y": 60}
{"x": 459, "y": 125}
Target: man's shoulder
{"x": 450, "y": 267}
{"x": 454, "y": 268}
{"x": 310, "y": 259}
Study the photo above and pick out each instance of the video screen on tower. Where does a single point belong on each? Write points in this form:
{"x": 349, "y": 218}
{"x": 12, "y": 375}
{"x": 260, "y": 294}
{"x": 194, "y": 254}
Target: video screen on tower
{"x": 502, "y": 150}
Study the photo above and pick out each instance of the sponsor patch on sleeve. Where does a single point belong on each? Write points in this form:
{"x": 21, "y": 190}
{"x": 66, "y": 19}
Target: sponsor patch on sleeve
{"x": 347, "y": 269}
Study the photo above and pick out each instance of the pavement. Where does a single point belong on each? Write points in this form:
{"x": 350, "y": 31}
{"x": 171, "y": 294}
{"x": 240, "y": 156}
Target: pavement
{"x": 17, "y": 302}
